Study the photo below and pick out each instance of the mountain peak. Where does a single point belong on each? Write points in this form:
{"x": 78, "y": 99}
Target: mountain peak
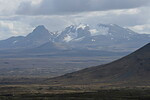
{"x": 39, "y": 33}
{"x": 40, "y": 27}
{"x": 40, "y": 30}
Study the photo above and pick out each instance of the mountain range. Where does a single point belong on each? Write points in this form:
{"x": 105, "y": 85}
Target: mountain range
{"x": 83, "y": 37}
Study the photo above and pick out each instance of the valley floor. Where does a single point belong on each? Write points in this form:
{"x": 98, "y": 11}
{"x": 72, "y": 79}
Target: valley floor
{"x": 48, "y": 67}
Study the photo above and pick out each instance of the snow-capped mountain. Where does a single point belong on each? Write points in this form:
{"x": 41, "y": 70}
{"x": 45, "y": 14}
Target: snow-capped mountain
{"x": 73, "y": 32}
{"x": 101, "y": 36}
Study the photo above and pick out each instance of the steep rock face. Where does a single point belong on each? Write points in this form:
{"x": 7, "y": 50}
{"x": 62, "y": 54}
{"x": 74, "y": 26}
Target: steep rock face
{"x": 134, "y": 67}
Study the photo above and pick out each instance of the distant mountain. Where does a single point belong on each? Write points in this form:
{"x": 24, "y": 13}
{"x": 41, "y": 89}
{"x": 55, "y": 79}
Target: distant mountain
{"x": 39, "y": 36}
{"x": 132, "y": 68}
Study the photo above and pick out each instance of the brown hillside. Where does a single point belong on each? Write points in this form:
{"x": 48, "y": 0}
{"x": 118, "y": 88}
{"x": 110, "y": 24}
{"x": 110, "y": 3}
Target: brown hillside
{"x": 134, "y": 67}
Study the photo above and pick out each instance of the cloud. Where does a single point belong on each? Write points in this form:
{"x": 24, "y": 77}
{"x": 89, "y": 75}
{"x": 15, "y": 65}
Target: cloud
{"x": 141, "y": 28}
{"x": 53, "y": 23}
{"x": 15, "y": 28}
{"x": 23, "y": 25}
{"x": 55, "y": 7}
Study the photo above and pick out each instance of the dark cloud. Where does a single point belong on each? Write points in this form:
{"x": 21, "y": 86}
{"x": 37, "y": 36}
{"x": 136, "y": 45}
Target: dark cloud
{"x": 54, "y": 7}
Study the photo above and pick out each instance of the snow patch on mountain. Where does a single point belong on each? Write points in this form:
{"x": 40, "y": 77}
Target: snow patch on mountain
{"x": 67, "y": 38}
{"x": 94, "y": 32}
{"x": 79, "y": 39}
{"x": 70, "y": 36}
{"x": 102, "y": 30}
{"x": 93, "y": 40}
{"x": 14, "y": 42}
{"x": 83, "y": 26}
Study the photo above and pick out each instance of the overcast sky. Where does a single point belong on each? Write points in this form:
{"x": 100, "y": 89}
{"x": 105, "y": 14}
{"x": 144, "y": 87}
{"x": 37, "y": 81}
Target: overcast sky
{"x": 19, "y": 17}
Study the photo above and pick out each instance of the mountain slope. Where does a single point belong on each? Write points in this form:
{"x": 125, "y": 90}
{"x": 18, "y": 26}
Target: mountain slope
{"x": 134, "y": 67}
{"x": 10, "y": 42}
{"x": 48, "y": 47}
